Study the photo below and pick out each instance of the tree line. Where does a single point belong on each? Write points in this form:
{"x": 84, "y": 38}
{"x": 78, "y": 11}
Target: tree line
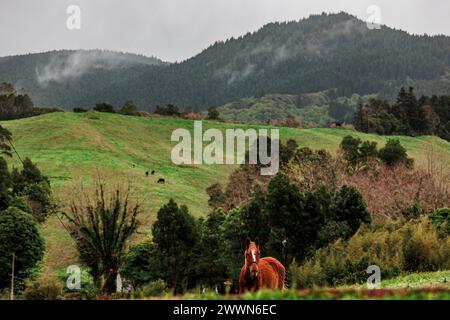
{"x": 407, "y": 116}
{"x": 25, "y": 201}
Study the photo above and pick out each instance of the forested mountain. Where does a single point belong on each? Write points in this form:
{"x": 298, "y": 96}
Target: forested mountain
{"x": 318, "y": 53}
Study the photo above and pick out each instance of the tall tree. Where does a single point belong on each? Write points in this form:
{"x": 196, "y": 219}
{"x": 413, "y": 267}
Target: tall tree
{"x": 101, "y": 230}
{"x": 5, "y": 184}
{"x": 175, "y": 233}
{"x": 19, "y": 236}
{"x": 5, "y": 138}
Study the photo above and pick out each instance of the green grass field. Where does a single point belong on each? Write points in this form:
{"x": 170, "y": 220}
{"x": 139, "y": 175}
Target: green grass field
{"x": 71, "y": 147}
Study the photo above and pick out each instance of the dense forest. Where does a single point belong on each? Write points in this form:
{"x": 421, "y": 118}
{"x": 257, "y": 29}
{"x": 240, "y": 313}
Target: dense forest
{"x": 407, "y": 116}
{"x": 318, "y": 53}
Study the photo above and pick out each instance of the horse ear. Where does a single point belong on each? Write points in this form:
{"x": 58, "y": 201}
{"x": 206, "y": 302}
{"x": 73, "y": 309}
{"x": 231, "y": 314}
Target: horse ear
{"x": 247, "y": 242}
{"x": 257, "y": 241}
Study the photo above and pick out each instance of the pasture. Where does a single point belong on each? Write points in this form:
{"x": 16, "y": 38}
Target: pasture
{"x": 73, "y": 148}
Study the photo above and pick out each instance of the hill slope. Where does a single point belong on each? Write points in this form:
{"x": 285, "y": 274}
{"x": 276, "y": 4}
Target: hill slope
{"x": 68, "y": 147}
{"x": 310, "y": 55}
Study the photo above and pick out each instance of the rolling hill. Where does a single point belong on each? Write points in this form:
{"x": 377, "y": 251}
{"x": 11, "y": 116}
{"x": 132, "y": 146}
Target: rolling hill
{"x": 71, "y": 147}
{"x": 318, "y": 53}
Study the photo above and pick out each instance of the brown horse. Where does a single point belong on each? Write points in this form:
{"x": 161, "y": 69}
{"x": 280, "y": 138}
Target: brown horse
{"x": 259, "y": 273}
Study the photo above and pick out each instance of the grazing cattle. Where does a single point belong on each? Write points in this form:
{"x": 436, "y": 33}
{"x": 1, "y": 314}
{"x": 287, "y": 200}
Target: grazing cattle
{"x": 259, "y": 273}
{"x": 161, "y": 180}
{"x": 146, "y": 173}
{"x": 153, "y": 172}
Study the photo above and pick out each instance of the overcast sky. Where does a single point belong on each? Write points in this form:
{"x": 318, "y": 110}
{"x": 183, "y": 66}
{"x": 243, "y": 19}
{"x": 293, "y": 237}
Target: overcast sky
{"x": 178, "y": 29}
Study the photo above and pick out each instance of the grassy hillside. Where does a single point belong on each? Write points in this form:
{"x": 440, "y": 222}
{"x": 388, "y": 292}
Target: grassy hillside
{"x": 68, "y": 147}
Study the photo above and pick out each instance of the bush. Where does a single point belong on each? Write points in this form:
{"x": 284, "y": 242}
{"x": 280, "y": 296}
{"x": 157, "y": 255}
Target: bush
{"x": 415, "y": 246}
{"x": 79, "y": 110}
{"x": 141, "y": 263}
{"x": 104, "y": 107}
{"x": 213, "y": 113}
{"x": 394, "y": 153}
{"x": 129, "y": 109}
{"x": 441, "y": 217}
{"x": 37, "y": 111}
{"x": 153, "y": 289}
{"x": 87, "y": 291}
{"x": 43, "y": 288}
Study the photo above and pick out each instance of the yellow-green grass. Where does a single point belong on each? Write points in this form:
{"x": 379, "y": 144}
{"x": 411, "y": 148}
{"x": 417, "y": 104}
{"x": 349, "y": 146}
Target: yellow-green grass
{"x": 438, "y": 279}
{"x": 68, "y": 147}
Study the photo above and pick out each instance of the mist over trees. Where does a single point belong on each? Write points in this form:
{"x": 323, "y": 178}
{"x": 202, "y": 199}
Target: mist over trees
{"x": 318, "y": 53}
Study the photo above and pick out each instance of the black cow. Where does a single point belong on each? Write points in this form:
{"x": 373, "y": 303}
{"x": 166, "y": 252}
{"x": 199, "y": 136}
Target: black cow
{"x": 161, "y": 180}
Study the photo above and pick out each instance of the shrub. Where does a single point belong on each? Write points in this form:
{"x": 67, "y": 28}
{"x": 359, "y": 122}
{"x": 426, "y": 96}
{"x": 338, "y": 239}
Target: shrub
{"x": 87, "y": 291}
{"x": 153, "y": 289}
{"x": 213, "y": 113}
{"x": 129, "y": 109}
{"x": 415, "y": 246}
{"x": 37, "y": 111}
{"x": 141, "y": 263}
{"x": 441, "y": 217}
{"x": 394, "y": 153}
{"x": 104, "y": 107}
{"x": 79, "y": 110}
{"x": 43, "y": 288}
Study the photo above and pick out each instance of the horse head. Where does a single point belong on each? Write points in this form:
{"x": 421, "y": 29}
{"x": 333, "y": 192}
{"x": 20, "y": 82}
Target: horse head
{"x": 252, "y": 254}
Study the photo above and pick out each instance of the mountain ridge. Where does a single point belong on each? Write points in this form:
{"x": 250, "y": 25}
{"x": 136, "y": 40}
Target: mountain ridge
{"x": 310, "y": 55}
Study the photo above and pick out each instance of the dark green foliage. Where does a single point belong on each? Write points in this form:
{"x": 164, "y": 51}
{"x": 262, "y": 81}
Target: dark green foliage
{"x": 142, "y": 264}
{"x": 211, "y": 265}
{"x": 213, "y": 113}
{"x": 101, "y": 230}
{"x": 5, "y": 184}
{"x": 35, "y": 187}
{"x": 175, "y": 233}
{"x": 345, "y": 55}
{"x": 216, "y": 195}
{"x": 19, "y": 234}
{"x": 5, "y": 138}
{"x": 310, "y": 220}
{"x": 27, "y": 189}
{"x": 104, "y": 107}
{"x": 287, "y": 151}
{"x": 394, "y": 153}
{"x": 79, "y": 110}
{"x": 441, "y": 217}
{"x": 349, "y": 207}
{"x": 234, "y": 242}
{"x": 14, "y": 105}
{"x": 129, "y": 109}
{"x": 169, "y": 110}
{"x": 408, "y": 116}
{"x": 21, "y": 203}
{"x": 288, "y": 218}
{"x": 357, "y": 153}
